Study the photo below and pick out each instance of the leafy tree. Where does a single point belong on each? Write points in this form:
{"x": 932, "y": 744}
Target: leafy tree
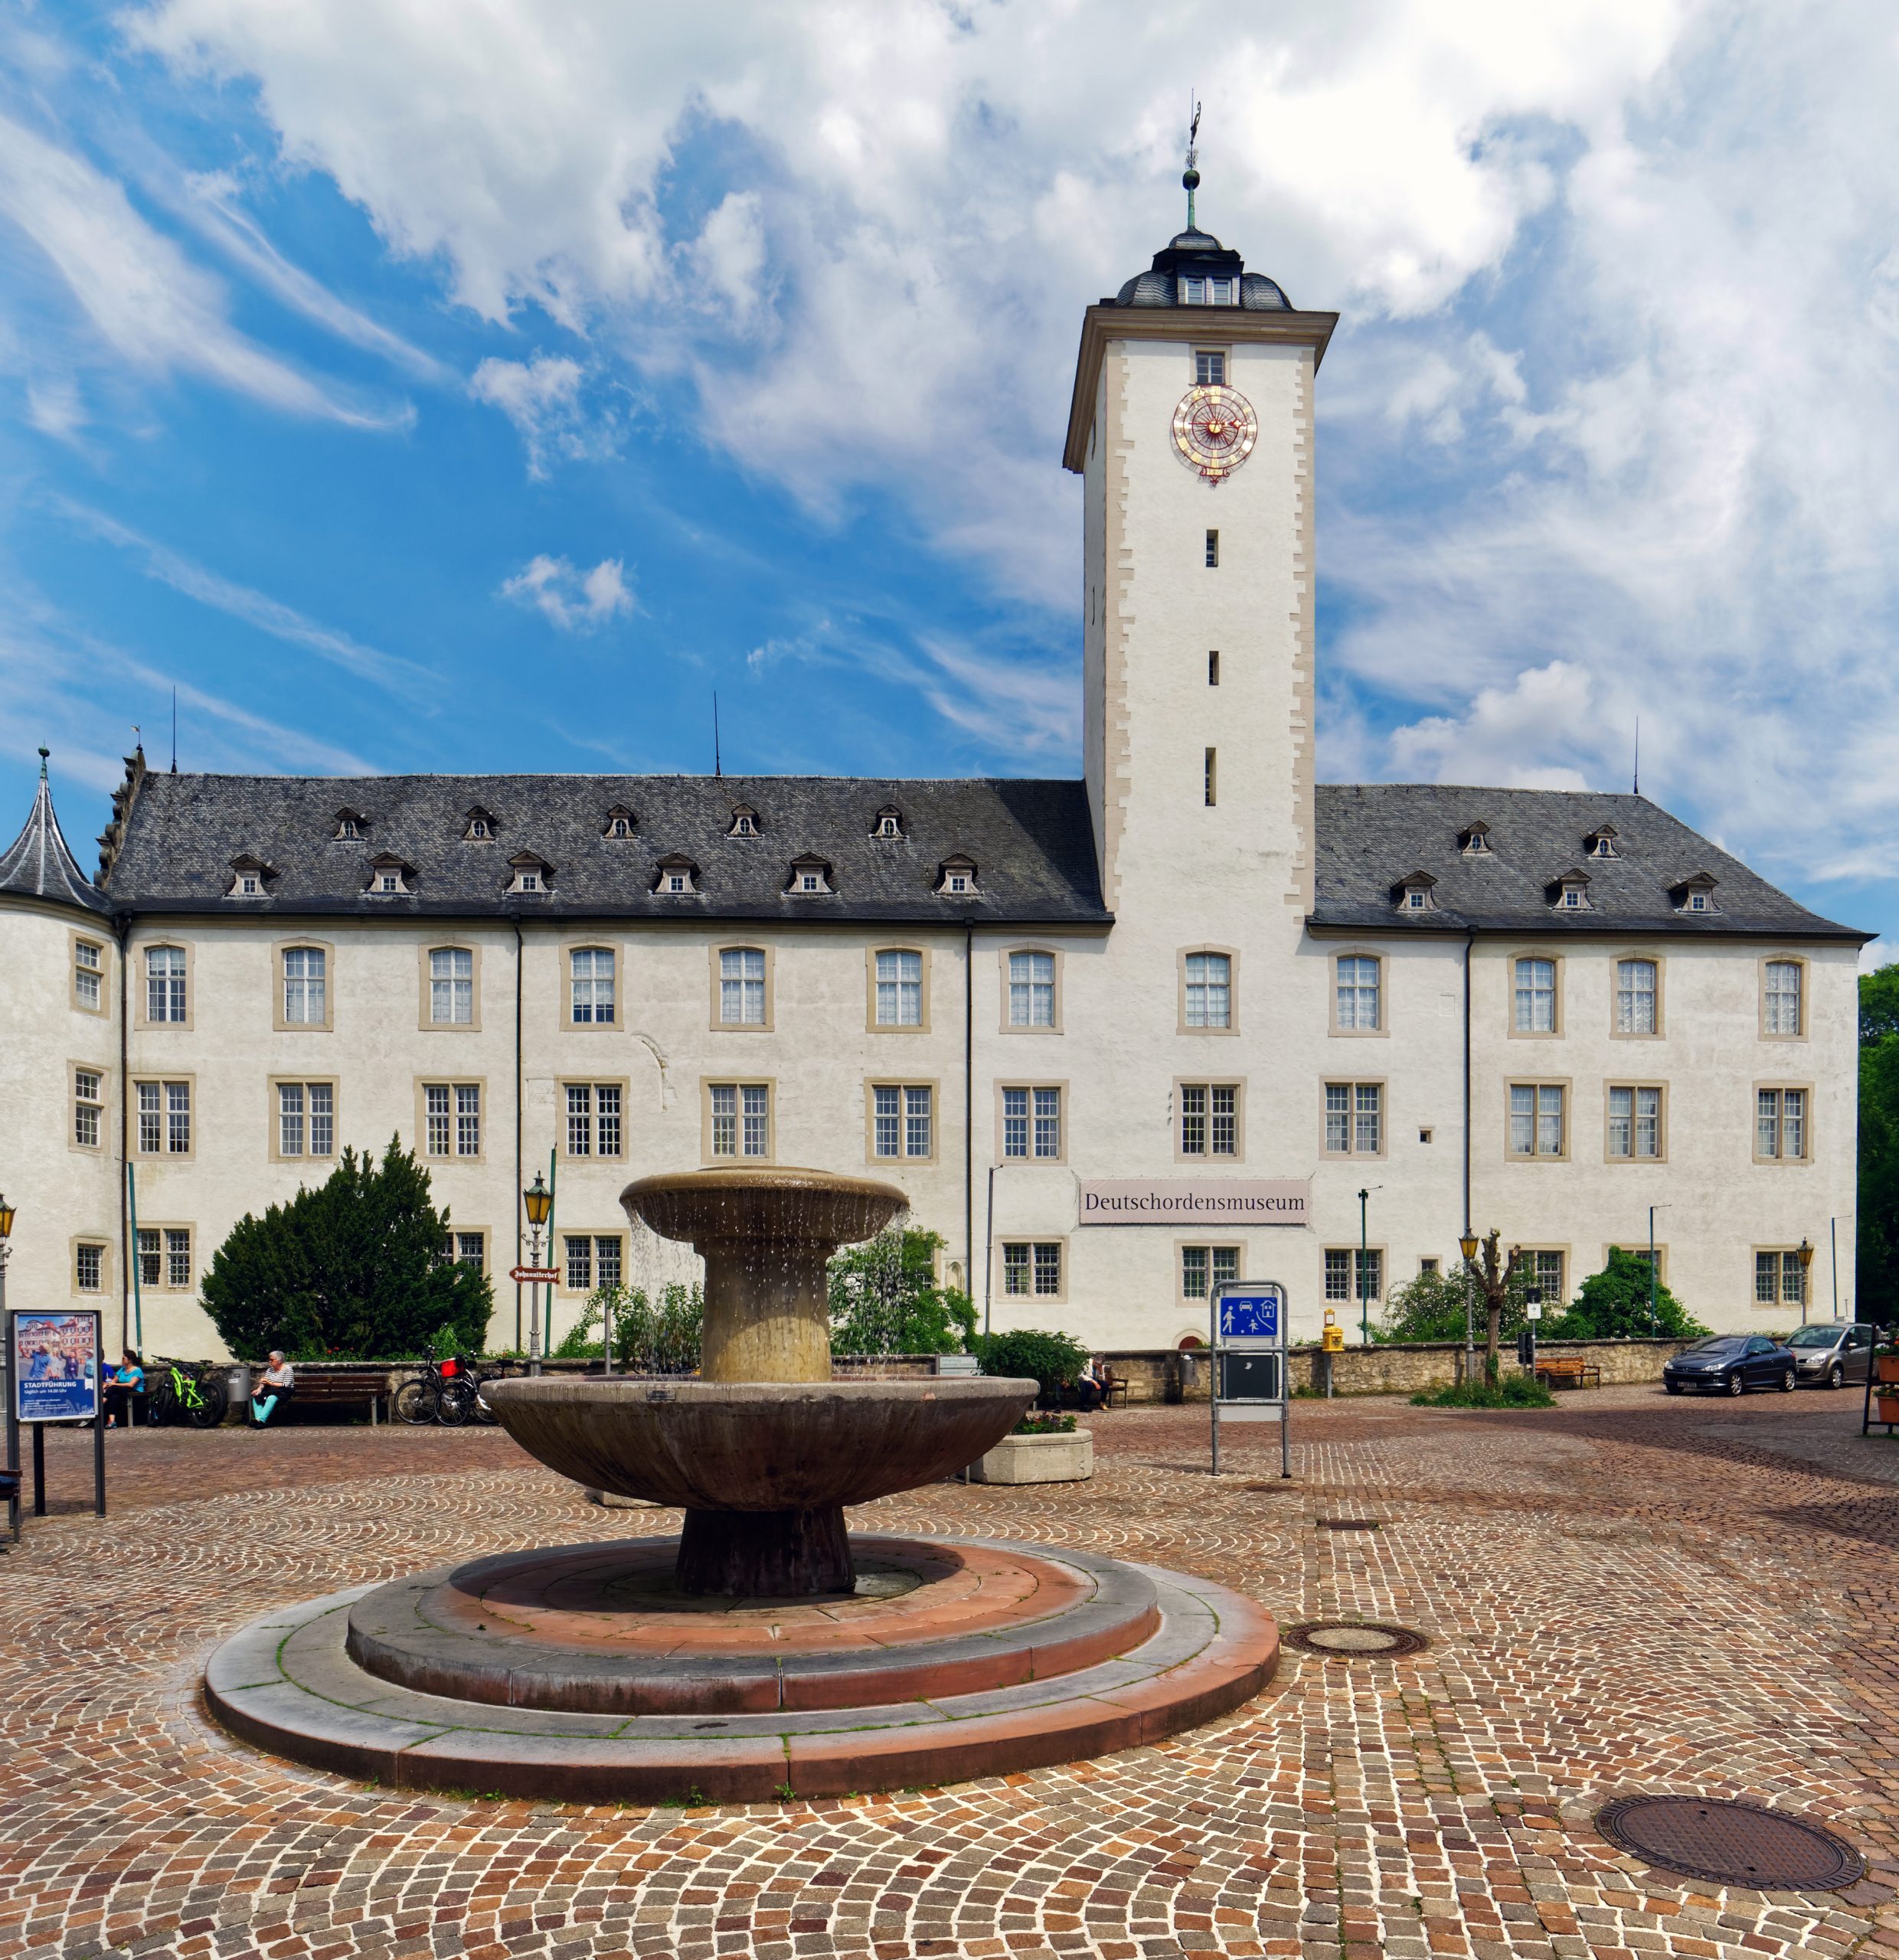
{"x": 1878, "y": 1249}
{"x": 1613, "y": 1305}
{"x": 1431, "y": 1307}
{"x": 1051, "y": 1358}
{"x": 885, "y": 1300}
{"x": 650, "y": 1337}
{"x": 352, "y": 1269}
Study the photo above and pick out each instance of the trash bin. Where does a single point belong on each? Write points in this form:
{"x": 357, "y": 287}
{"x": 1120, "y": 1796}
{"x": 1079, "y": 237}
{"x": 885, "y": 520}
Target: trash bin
{"x": 237, "y": 1387}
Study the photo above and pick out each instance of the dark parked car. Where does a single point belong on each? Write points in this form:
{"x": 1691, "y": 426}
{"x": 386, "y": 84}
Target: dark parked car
{"x": 1732, "y": 1363}
{"x": 1832, "y": 1353}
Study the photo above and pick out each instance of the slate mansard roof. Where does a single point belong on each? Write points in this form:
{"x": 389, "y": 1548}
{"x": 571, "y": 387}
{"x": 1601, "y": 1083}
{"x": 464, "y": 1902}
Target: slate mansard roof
{"x": 37, "y": 864}
{"x": 1031, "y": 841}
{"x": 177, "y": 841}
{"x": 1374, "y": 836}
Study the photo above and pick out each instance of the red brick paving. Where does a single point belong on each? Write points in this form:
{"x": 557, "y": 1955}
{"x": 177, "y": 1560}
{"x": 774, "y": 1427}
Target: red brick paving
{"x": 1621, "y": 1593}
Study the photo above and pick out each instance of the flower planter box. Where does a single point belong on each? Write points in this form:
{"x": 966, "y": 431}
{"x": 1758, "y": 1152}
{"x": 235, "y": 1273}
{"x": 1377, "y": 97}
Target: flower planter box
{"x": 1888, "y": 1406}
{"x": 1886, "y": 1367}
{"x": 1049, "y": 1460}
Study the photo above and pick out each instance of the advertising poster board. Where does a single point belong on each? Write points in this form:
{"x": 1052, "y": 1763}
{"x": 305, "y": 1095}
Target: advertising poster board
{"x": 54, "y": 1366}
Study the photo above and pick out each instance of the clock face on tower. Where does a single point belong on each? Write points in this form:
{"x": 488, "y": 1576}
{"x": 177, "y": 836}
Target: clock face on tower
{"x": 1215, "y": 429}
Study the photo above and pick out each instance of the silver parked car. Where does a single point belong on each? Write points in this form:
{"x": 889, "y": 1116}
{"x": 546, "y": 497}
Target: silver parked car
{"x": 1831, "y": 1353}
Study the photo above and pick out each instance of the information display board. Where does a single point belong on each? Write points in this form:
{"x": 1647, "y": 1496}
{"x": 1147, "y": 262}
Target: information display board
{"x": 1251, "y": 1327}
{"x": 53, "y": 1365}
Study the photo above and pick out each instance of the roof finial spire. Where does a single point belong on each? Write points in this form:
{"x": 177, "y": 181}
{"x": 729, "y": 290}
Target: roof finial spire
{"x": 45, "y": 752}
{"x": 1190, "y": 177}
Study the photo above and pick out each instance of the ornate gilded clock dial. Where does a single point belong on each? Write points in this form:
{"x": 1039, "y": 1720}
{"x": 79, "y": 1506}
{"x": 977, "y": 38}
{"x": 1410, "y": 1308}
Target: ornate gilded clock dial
{"x": 1215, "y": 429}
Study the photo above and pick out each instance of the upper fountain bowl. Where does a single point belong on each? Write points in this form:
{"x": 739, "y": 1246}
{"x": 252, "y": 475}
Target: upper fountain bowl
{"x": 755, "y": 1206}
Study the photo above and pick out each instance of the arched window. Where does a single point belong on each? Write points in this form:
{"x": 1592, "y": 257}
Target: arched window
{"x": 305, "y": 987}
{"x": 451, "y": 987}
{"x": 164, "y": 984}
{"x": 1360, "y": 986}
{"x": 742, "y": 987}
{"x": 590, "y": 976}
{"x": 900, "y": 988}
{"x": 1209, "y": 990}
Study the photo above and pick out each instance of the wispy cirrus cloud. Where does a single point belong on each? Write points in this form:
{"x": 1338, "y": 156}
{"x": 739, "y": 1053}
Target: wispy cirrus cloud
{"x": 145, "y": 300}
{"x": 388, "y": 670}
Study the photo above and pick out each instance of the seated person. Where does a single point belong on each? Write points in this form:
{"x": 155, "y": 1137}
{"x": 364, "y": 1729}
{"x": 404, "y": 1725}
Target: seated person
{"x": 1091, "y": 1391}
{"x": 278, "y": 1385}
{"x": 125, "y": 1381}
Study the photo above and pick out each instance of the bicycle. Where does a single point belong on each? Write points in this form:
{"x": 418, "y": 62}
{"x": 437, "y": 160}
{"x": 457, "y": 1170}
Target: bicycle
{"x": 191, "y": 1391}
{"x": 445, "y": 1393}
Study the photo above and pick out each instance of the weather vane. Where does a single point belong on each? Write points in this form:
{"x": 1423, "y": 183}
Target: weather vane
{"x": 1190, "y": 178}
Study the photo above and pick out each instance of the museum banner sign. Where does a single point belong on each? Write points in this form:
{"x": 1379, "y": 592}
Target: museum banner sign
{"x": 1196, "y": 1201}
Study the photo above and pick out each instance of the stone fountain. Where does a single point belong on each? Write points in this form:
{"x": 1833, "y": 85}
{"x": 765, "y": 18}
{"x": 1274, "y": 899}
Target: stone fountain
{"x": 761, "y": 1652}
{"x": 764, "y": 1450}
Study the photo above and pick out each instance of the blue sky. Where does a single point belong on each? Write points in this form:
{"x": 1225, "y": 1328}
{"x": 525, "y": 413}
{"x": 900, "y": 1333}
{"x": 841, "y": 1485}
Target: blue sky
{"x": 417, "y": 401}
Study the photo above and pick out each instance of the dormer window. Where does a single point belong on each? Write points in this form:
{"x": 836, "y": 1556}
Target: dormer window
{"x": 1474, "y": 840}
{"x": 1413, "y": 893}
{"x": 956, "y": 878}
{"x": 1195, "y": 292}
{"x": 249, "y": 878}
{"x": 677, "y": 876}
{"x": 810, "y": 877}
{"x": 890, "y": 821}
{"x": 532, "y": 875}
{"x": 1568, "y": 891}
{"x": 1600, "y": 843}
{"x": 1695, "y": 894}
{"x": 389, "y": 876}
{"x": 480, "y": 825}
{"x": 350, "y": 823}
{"x": 619, "y": 822}
{"x": 744, "y": 821}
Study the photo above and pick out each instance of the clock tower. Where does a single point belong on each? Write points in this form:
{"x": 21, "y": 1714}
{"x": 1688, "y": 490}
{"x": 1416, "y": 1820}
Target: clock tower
{"x": 1192, "y": 427}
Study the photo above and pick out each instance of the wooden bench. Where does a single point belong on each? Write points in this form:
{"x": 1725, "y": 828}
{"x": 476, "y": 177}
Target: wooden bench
{"x": 370, "y": 1385}
{"x": 1569, "y": 1372}
{"x": 1114, "y": 1394}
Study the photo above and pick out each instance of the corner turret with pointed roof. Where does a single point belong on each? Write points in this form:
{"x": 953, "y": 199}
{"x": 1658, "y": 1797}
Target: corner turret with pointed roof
{"x": 37, "y": 864}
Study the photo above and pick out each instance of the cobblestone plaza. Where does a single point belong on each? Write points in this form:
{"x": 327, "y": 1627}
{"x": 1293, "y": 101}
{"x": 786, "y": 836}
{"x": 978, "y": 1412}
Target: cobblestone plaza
{"x": 1620, "y": 1594}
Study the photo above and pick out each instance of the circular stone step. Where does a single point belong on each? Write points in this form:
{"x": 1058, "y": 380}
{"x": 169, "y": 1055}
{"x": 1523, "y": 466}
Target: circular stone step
{"x": 287, "y": 1683}
{"x": 601, "y": 1629}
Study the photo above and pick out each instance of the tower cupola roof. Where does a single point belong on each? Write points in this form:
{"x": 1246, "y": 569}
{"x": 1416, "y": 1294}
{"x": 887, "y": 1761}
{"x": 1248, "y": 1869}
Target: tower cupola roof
{"x": 37, "y": 864}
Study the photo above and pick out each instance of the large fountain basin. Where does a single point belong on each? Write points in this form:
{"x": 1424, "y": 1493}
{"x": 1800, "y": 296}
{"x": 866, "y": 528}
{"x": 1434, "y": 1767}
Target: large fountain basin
{"x": 757, "y": 1445}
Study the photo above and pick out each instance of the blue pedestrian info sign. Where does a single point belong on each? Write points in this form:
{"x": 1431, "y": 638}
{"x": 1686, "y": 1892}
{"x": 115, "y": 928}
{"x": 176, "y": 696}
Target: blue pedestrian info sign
{"x": 1252, "y": 1316}
{"x": 1251, "y": 1328}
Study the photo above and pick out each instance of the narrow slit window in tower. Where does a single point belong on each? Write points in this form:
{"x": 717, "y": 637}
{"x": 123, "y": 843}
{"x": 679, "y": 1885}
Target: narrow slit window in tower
{"x": 1213, "y": 670}
{"x": 1213, "y": 549}
{"x": 1213, "y": 777}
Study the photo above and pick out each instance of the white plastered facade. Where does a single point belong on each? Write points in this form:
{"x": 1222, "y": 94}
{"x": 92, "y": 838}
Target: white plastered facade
{"x": 1179, "y": 875}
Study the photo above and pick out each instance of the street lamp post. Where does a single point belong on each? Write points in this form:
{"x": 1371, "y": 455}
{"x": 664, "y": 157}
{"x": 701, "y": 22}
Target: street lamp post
{"x": 6, "y": 1233}
{"x": 539, "y": 1201}
{"x": 1467, "y": 1245}
{"x": 1365, "y": 1274}
{"x": 1806, "y": 1260}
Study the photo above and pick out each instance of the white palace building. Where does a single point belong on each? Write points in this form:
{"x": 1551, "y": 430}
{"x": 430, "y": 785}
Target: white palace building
{"x": 1119, "y": 1037}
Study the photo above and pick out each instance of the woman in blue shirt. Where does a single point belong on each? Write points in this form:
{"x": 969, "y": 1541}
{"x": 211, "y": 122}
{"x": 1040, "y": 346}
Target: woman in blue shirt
{"x": 128, "y": 1379}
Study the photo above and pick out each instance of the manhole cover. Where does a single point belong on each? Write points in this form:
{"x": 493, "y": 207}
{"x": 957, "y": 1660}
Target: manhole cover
{"x": 1730, "y": 1843}
{"x": 1346, "y": 1524}
{"x": 1353, "y": 1636}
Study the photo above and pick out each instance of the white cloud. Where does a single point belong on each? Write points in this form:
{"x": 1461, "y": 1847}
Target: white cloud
{"x": 1505, "y": 736}
{"x": 154, "y": 309}
{"x": 1651, "y": 439}
{"x": 574, "y": 601}
{"x": 542, "y": 397}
